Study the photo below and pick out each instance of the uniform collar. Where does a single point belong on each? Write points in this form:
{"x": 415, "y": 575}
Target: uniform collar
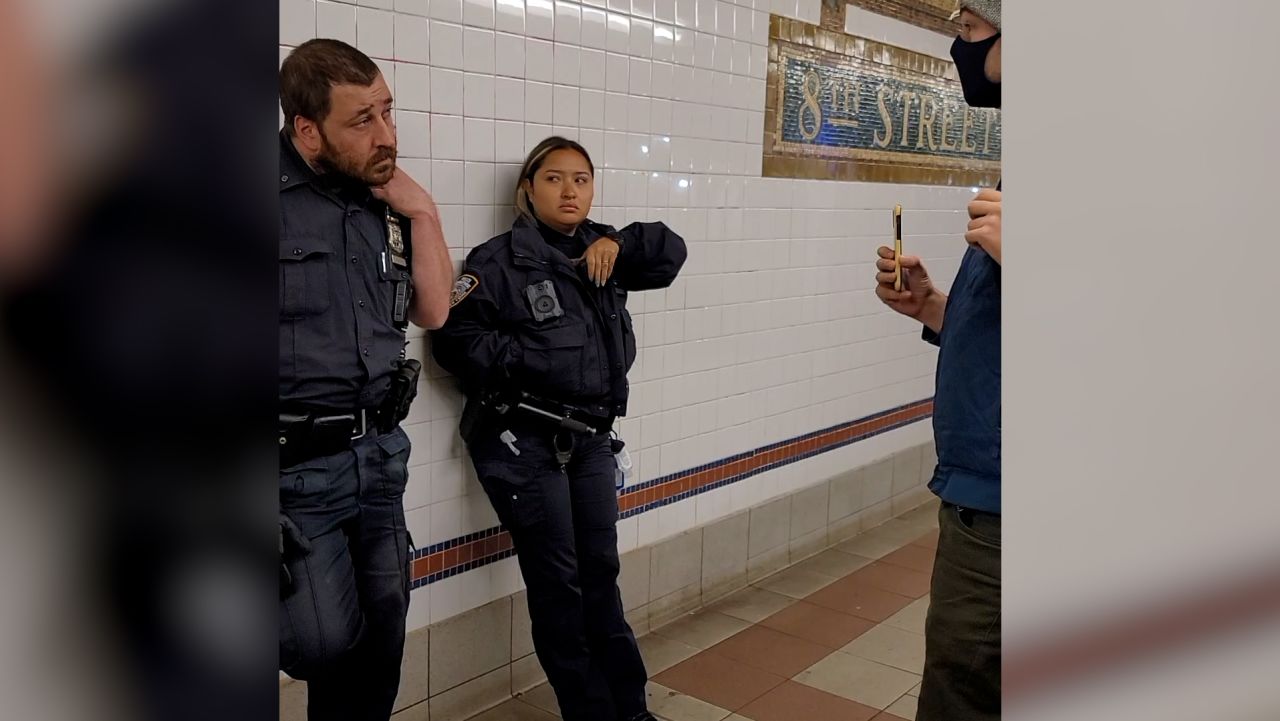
{"x": 294, "y": 170}
{"x": 528, "y": 245}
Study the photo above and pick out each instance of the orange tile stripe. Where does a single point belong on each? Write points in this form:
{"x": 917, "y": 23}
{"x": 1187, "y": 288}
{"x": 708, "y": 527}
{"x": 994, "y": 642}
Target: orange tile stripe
{"x": 459, "y": 555}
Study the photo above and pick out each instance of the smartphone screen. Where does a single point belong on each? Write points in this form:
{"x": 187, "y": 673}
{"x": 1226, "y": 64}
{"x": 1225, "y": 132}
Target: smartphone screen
{"x": 897, "y": 247}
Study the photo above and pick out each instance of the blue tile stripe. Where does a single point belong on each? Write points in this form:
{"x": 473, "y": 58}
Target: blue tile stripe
{"x": 475, "y": 550}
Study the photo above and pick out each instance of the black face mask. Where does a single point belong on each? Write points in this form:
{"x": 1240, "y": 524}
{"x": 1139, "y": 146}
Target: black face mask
{"x": 971, "y": 62}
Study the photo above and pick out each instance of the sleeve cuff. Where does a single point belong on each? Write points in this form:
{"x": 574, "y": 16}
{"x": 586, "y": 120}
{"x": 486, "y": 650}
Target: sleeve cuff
{"x": 928, "y": 336}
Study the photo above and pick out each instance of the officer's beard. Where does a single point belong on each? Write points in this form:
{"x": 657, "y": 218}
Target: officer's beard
{"x": 330, "y": 160}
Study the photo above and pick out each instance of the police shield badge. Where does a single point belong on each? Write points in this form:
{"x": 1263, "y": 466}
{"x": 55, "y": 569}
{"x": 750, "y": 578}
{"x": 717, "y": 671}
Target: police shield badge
{"x": 395, "y": 237}
{"x": 395, "y": 241}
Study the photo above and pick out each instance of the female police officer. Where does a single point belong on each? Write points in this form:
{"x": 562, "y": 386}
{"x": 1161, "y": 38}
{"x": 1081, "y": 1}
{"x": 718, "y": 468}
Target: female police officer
{"x": 539, "y": 333}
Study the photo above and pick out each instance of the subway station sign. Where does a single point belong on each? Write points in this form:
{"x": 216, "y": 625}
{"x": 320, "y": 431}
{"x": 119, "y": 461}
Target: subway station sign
{"x": 849, "y": 108}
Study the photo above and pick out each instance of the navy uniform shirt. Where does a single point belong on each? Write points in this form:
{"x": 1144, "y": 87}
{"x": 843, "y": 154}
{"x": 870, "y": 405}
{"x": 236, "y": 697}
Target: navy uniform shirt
{"x": 966, "y": 404}
{"x": 493, "y": 340}
{"x": 338, "y": 344}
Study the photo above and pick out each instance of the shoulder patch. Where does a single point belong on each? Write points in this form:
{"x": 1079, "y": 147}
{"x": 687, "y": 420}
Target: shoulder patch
{"x": 462, "y": 287}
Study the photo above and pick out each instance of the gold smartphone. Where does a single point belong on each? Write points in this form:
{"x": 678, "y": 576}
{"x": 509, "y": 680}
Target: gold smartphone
{"x": 897, "y": 247}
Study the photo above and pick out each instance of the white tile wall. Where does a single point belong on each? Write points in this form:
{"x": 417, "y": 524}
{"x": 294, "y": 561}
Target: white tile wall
{"x": 867, "y": 24}
{"x": 335, "y": 20}
{"x": 773, "y": 329}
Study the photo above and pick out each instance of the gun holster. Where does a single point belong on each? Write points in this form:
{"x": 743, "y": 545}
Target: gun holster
{"x": 472, "y": 414}
{"x": 404, "y": 388}
{"x": 483, "y": 407}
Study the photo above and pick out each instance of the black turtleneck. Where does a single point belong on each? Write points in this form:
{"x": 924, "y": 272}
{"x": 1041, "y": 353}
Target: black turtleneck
{"x": 573, "y": 246}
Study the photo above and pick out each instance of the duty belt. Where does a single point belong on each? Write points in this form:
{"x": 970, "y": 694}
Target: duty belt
{"x": 563, "y": 416}
{"x": 306, "y": 435}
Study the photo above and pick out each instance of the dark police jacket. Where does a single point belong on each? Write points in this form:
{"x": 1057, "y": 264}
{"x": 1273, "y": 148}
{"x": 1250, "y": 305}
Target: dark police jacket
{"x": 581, "y": 358}
{"x": 338, "y": 342}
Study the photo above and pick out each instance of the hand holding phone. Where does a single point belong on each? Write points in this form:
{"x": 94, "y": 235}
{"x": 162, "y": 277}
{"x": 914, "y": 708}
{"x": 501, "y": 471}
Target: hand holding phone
{"x": 897, "y": 248}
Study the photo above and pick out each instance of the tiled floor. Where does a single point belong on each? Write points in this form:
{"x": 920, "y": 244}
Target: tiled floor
{"x": 837, "y": 637}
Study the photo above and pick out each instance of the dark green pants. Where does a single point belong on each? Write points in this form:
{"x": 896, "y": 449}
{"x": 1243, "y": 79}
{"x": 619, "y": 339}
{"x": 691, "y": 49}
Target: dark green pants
{"x": 962, "y": 631}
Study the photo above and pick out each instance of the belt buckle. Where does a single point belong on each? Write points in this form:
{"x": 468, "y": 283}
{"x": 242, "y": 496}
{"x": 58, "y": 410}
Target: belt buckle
{"x": 362, "y": 425}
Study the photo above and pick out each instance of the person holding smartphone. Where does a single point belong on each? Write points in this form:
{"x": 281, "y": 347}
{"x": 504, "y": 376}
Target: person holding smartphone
{"x": 962, "y": 630}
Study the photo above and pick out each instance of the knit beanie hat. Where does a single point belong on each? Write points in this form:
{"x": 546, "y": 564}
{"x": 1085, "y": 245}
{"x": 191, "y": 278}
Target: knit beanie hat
{"x": 988, "y": 10}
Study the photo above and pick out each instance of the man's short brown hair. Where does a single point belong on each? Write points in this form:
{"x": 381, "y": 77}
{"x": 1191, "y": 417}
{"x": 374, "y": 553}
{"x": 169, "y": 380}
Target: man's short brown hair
{"x": 310, "y": 72}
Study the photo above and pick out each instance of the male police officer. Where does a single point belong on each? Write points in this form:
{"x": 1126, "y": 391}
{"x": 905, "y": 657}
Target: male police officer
{"x": 962, "y": 632}
{"x": 361, "y": 254}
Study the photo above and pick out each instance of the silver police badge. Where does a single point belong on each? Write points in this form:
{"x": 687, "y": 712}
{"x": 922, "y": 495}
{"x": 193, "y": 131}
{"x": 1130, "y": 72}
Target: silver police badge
{"x": 394, "y": 237}
{"x": 395, "y": 241}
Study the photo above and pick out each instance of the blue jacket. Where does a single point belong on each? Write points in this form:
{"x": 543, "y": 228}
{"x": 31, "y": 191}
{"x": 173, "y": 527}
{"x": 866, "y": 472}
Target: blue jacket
{"x": 966, "y": 404}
